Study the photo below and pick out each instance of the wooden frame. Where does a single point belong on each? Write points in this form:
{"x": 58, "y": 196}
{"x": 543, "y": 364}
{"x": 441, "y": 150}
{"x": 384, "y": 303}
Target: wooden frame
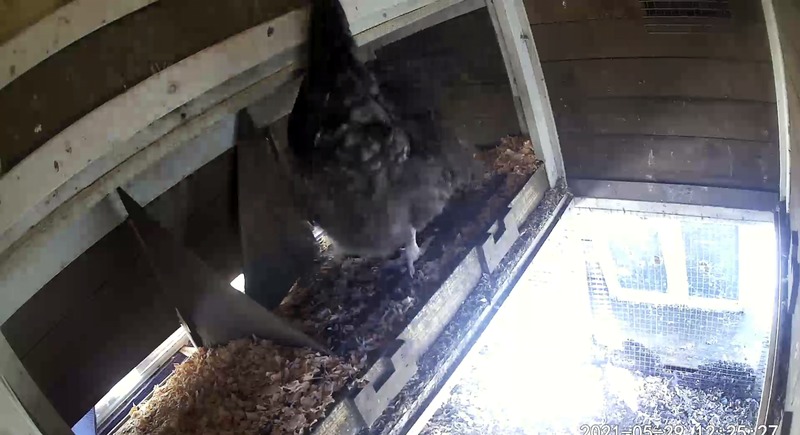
{"x": 782, "y": 99}
{"x": 528, "y": 83}
{"x": 58, "y": 30}
{"x": 676, "y": 193}
{"x": 702, "y": 211}
{"x": 674, "y": 254}
{"x": 22, "y": 400}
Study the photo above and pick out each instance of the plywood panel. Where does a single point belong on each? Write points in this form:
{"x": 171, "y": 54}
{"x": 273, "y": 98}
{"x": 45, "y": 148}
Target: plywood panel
{"x": 65, "y": 87}
{"x": 602, "y": 39}
{"x": 661, "y": 77}
{"x": 669, "y": 117}
{"x": 707, "y": 162}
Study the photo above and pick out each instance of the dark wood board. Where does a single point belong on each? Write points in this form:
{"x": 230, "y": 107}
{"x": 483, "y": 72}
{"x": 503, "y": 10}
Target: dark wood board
{"x": 661, "y": 77}
{"x": 668, "y": 117}
{"x": 93, "y": 346}
{"x": 549, "y": 11}
{"x": 699, "y": 161}
{"x": 94, "y": 69}
{"x": 603, "y": 39}
{"x": 65, "y": 293}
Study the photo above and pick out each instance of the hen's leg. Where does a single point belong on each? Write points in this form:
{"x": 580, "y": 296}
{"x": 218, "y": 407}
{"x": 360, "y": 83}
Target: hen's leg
{"x": 412, "y": 252}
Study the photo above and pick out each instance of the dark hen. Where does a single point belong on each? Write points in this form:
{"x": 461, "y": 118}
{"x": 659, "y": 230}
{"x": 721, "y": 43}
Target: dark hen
{"x": 373, "y": 174}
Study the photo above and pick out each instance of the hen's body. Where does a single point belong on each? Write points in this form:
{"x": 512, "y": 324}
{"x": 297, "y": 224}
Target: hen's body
{"x": 372, "y": 178}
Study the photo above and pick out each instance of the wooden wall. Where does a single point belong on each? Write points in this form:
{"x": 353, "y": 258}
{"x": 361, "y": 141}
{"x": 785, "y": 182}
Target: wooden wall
{"x": 787, "y": 13}
{"x": 102, "y": 314}
{"x": 630, "y": 105}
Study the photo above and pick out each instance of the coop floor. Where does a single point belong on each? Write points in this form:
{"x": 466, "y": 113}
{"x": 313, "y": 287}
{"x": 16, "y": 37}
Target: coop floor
{"x": 536, "y": 368}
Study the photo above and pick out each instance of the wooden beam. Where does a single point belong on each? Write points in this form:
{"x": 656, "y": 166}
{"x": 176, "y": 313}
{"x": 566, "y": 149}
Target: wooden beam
{"x": 58, "y": 30}
{"x": 77, "y": 213}
{"x": 514, "y": 31}
{"x": 654, "y": 205}
{"x": 674, "y": 194}
{"x": 782, "y": 97}
{"x": 13, "y": 414}
{"x": 22, "y": 391}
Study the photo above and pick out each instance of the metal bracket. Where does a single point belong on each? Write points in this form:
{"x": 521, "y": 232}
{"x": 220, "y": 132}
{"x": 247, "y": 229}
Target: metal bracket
{"x": 391, "y": 374}
{"x": 505, "y": 232}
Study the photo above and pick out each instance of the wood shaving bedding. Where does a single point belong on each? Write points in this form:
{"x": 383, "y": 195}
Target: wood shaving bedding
{"x": 249, "y": 386}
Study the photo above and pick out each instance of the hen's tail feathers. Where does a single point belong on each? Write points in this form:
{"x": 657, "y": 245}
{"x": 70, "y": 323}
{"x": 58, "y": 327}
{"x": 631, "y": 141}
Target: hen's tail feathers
{"x": 331, "y": 45}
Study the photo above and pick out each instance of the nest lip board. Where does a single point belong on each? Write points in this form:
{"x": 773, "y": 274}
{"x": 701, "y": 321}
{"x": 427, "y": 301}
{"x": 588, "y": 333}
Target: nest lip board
{"x": 391, "y": 307}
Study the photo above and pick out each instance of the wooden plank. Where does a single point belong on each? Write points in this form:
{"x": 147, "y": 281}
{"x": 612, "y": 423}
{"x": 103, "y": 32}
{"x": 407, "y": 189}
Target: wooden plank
{"x": 543, "y": 12}
{"x": 669, "y": 117}
{"x": 603, "y": 39}
{"x": 546, "y": 12}
{"x": 514, "y": 31}
{"x": 16, "y": 16}
{"x": 661, "y": 77}
{"x": 667, "y": 198}
{"x": 15, "y": 377}
{"x": 780, "y": 85}
{"x": 58, "y": 30}
{"x": 420, "y": 19}
{"x": 13, "y": 414}
{"x": 681, "y": 160}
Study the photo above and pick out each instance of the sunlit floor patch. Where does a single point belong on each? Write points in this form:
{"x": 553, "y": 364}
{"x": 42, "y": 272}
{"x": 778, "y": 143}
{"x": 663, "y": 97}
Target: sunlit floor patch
{"x": 540, "y": 369}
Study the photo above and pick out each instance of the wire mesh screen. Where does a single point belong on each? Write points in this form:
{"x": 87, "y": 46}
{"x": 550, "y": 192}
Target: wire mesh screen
{"x": 625, "y": 323}
{"x": 700, "y": 331}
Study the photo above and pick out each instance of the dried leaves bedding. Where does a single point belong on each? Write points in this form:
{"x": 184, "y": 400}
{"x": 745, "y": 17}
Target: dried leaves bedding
{"x": 357, "y": 306}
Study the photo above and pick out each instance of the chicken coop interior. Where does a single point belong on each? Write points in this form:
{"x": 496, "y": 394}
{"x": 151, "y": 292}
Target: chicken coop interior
{"x": 399, "y": 217}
